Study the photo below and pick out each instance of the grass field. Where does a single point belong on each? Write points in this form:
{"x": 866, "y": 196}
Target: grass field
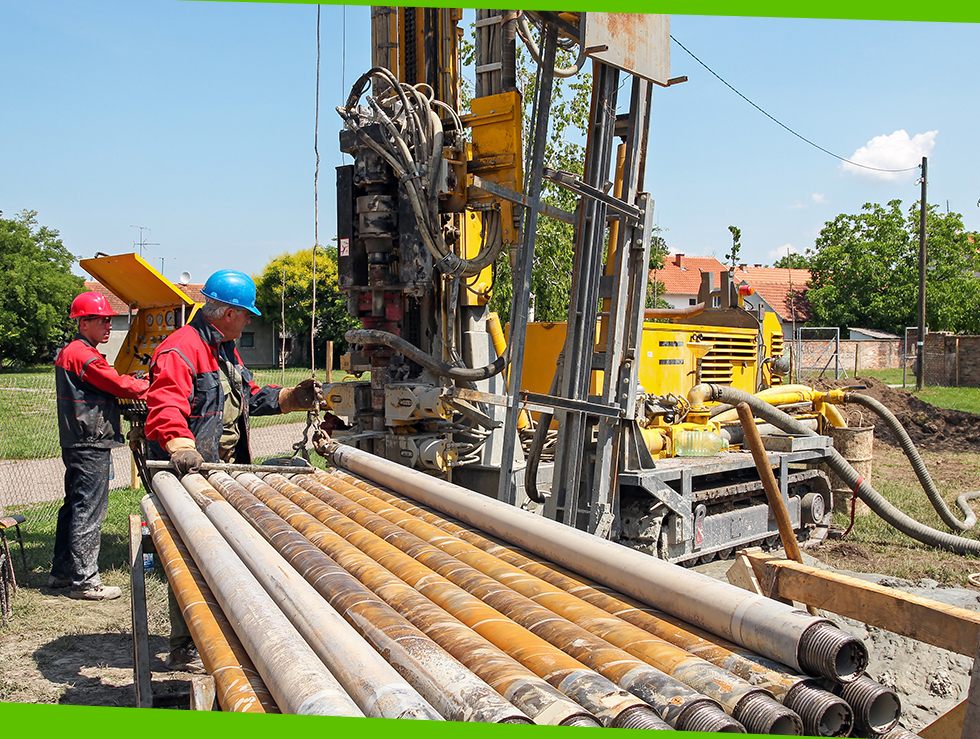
{"x": 28, "y": 413}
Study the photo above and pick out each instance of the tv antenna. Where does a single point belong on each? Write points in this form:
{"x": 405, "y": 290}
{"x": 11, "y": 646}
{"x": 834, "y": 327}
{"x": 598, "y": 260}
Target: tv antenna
{"x": 141, "y": 243}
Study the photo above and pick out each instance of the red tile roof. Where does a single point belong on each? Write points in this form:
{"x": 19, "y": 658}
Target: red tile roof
{"x": 755, "y": 275}
{"x": 681, "y": 274}
{"x": 783, "y": 289}
{"x": 191, "y": 291}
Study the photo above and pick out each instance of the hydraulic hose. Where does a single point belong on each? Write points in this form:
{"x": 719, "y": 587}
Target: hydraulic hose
{"x": 907, "y": 525}
{"x": 443, "y": 369}
{"x": 537, "y": 442}
{"x": 532, "y": 47}
{"x": 925, "y": 479}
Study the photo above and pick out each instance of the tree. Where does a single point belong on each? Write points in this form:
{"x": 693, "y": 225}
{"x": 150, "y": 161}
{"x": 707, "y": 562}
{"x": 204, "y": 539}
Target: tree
{"x": 332, "y": 321}
{"x": 732, "y": 256}
{"x": 793, "y": 260}
{"x": 864, "y": 271}
{"x": 551, "y": 272}
{"x": 658, "y": 257}
{"x": 36, "y": 290}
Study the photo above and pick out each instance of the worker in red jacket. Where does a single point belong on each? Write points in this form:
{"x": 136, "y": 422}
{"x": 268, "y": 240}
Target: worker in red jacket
{"x": 89, "y": 427}
{"x": 201, "y": 397}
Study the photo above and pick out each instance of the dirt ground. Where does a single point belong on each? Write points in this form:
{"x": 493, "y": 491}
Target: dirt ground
{"x": 58, "y": 650}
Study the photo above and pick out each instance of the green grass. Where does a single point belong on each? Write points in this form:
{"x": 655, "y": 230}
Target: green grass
{"x": 965, "y": 399}
{"x": 28, "y": 413}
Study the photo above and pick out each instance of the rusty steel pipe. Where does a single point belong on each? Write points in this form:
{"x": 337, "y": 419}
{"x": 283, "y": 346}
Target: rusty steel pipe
{"x": 374, "y": 685}
{"x": 238, "y": 686}
{"x": 510, "y": 678}
{"x": 770, "y": 628}
{"x": 823, "y": 713}
{"x": 447, "y": 685}
{"x": 290, "y": 669}
{"x": 678, "y": 704}
{"x": 752, "y": 706}
{"x": 604, "y": 699}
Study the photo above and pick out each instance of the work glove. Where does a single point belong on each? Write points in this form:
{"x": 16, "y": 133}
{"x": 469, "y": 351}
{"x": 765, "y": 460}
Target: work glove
{"x": 184, "y": 456}
{"x": 300, "y": 398}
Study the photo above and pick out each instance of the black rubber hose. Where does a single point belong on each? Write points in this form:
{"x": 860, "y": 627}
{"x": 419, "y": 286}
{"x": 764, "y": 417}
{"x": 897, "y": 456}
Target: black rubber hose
{"x": 925, "y": 479}
{"x": 374, "y": 336}
{"x": 907, "y": 525}
{"x": 537, "y": 442}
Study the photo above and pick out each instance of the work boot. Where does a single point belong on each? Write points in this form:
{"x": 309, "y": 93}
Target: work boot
{"x": 56, "y": 583}
{"x": 185, "y": 659}
{"x": 97, "y": 592}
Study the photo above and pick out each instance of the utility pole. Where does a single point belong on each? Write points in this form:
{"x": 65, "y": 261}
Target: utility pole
{"x": 919, "y": 379}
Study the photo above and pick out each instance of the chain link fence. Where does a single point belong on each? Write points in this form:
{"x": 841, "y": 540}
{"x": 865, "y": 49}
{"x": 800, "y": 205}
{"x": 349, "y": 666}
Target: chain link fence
{"x": 32, "y": 473}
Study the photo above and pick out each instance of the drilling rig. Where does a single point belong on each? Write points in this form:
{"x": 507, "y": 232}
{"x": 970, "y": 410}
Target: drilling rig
{"x": 589, "y": 422}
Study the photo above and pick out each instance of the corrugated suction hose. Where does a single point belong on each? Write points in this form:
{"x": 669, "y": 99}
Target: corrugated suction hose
{"x": 925, "y": 479}
{"x": 907, "y": 525}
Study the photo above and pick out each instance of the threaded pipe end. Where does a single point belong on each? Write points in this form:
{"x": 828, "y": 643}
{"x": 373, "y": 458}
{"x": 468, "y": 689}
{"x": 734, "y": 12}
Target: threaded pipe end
{"x": 827, "y": 651}
{"x": 898, "y": 733}
{"x": 640, "y": 717}
{"x": 581, "y": 719}
{"x": 516, "y": 720}
{"x": 823, "y": 713}
{"x": 707, "y": 717}
{"x": 760, "y": 713}
{"x": 876, "y": 708}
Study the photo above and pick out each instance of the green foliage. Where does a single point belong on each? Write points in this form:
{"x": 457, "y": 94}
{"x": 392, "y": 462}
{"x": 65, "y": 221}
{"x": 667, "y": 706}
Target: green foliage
{"x": 551, "y": 273}
{"x": 864, "y": 271}
{"x": 792, "y": 261}
{"x": 36, "y": 290}
{"x": 732, "y": 256}
{"x": 296, "y": 298}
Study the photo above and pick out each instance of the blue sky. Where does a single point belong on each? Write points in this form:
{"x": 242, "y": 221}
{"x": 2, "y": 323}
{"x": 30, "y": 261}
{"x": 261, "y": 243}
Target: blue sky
{"x": 196, "y": 121}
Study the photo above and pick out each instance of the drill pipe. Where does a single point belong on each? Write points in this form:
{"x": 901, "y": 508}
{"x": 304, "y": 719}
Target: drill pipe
{"x": 679, "y": 705}
{"x": 751, "y": 706}
{"x": 606, "y": 701}
{"x": 876, "y": 707}
{"x": 374, "y": 685}
{"x": 445, "y": 683}
{"x": 238, "y": 686}
{"x": 510, "y": 678}
{"x": 771, "y": 628}
{"x": 292, "y": 672}
{"x": 823, "y": 713}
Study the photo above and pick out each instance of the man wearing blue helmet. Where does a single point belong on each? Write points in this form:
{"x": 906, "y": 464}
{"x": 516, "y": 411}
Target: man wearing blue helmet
{"x": 201, "y": 397}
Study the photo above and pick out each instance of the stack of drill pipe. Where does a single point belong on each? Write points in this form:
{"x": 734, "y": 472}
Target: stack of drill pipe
{"x": 453, "y": 690}
{"x": 805, "y": 643}
{"x": 510, "y": 678}
{"x": 238, "y": 686}
{"x": 823, "y": 713}
{"x": 367, "y": 678}
{"x": 611, "y": 704}
{"x": 752, "y": 706}
{"x": 292, "y": 672}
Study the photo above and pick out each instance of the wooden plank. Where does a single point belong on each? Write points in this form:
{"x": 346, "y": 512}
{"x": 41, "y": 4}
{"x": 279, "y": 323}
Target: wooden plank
{"x": 971, "y": 719}
{"x": 939, "y": 624}
{"x": 947, "y": 726}
{"x": 203, "y": 693}
{"x": 141, "y": 650}
{"x": 741, "y": 574}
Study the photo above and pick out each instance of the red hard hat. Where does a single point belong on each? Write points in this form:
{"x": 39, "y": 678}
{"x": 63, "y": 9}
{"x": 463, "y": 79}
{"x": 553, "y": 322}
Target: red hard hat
{"x": 91, "y": 304}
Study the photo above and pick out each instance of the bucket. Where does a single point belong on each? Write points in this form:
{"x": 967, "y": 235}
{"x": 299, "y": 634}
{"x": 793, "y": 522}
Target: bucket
{"x": 855, "y": 445}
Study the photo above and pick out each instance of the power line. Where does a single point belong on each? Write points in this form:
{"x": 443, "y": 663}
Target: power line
{"x": 783, "y": 125}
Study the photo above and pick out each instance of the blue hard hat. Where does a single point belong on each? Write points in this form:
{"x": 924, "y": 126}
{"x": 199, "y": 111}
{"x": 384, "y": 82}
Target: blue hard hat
{"x": 232, "y": 287}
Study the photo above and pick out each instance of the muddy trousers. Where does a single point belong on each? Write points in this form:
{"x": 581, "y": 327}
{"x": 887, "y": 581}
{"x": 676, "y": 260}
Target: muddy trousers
{"x": 79, "y": 531}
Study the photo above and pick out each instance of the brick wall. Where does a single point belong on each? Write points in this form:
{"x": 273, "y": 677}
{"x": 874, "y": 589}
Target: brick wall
{"x": 814, "y": 355}
{"x": 952, "y": 361}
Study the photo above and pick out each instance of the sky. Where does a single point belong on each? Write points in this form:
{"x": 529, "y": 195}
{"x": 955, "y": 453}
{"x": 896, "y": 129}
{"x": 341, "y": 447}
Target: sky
{"x": 196, "y": 121}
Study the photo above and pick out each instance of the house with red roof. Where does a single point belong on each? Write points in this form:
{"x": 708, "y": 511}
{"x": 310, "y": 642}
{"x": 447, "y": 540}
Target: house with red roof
{"x": 257, "y": 345}
{"x": 780, "y": 291}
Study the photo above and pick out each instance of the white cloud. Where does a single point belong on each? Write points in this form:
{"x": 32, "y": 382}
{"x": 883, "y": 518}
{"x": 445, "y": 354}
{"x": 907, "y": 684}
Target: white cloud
{"x": 892, "y": 152}
{"x": 819, "y": 198}
{"x": 784, "y": 251}
{"x": 796, "y": 205}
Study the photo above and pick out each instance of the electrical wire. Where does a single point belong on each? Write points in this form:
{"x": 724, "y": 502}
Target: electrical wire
{"x": 783, "y": 125}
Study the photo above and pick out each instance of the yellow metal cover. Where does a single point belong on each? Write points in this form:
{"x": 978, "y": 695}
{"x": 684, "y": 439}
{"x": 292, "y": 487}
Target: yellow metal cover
{"x": 130, "y": 278}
